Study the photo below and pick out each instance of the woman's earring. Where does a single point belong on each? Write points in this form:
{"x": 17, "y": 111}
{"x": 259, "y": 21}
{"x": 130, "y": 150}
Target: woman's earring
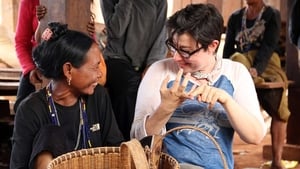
{"x": 69, "y": 81}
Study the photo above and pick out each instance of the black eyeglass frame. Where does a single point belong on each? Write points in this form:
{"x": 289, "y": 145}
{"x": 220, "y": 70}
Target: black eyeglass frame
{"x": 184, "y": 54}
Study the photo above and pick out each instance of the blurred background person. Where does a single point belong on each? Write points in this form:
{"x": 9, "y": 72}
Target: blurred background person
{"x": 252, "y": 38}
{"x": 135, "y": 39}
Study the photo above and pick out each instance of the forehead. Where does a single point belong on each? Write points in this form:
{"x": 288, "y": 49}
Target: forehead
{"x": 184, "y": 38}
{"x": 93, "y": 54}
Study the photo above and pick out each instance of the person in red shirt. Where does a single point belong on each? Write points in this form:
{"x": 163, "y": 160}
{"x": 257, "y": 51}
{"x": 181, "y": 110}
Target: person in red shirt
{"x": 24, "y": 43}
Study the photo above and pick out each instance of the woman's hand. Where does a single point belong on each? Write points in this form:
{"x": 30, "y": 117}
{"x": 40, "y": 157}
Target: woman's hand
{"x": 172, "y": 97}
{"x": 210, "y": 95}
{"x": 253, "y": 72}
{"x": 35, "y": 77}
{"x": 40, "y": 11}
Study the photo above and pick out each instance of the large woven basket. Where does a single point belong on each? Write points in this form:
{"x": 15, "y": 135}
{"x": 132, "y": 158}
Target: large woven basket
{"x": 129, "y": 156}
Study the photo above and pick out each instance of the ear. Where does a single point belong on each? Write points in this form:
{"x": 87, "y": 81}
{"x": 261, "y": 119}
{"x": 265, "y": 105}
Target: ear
{"x": 67, "y": 68}
{"x": 213, "y": 46}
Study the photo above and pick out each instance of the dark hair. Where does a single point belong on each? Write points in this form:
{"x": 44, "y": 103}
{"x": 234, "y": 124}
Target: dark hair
{"x": 202, "y": 21}
{"x": 65, "y": 45}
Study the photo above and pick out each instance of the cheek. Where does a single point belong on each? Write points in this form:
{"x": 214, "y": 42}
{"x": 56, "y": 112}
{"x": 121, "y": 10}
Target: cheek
{"x": 195, "y": 64}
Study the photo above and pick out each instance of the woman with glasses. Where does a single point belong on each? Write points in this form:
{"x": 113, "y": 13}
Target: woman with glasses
{"x": 200, "y": 89}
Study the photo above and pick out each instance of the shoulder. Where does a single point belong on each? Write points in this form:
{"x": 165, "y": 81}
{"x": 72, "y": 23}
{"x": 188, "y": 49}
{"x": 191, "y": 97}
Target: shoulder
{"x": 271, "y": 9}
{"x": 99, "y": 98}
{"x": 233, "y": 67}
{"x": 33, "y": 106}
{"x": 100, "y": 89}
{"x": 29, "y": 3}
{"x": 238, "y": 13}
{"x": 235, "y": 17}
{"x": 99, "y": 92}
{"x": 271, "y": 12}
{"x": 35, "y": 98}
{"x": 167, "y": 64}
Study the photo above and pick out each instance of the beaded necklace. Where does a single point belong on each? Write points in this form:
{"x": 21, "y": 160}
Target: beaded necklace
{"x": 247, "y": 36}
{"x": 83, "y": 123}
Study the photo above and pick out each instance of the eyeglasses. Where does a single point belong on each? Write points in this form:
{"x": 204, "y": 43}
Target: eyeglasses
{"x": 183, "y": 53}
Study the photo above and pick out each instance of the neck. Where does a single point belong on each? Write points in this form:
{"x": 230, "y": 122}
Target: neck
{"x": 205, "y": 76}
{"x": 211, "y": 65}
{"x": 62, "y": 94}
{"x": 254, "y": 10}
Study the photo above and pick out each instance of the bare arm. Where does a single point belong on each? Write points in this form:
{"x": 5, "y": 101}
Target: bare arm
{"x": 42, "y": 160}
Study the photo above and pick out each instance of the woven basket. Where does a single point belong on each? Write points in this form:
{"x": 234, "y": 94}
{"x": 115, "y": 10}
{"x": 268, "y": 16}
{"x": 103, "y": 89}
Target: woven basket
{"x": 129, "y": 156}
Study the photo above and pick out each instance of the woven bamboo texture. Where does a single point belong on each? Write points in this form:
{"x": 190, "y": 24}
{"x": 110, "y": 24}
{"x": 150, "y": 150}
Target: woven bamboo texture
{"x": 129, "y": 156}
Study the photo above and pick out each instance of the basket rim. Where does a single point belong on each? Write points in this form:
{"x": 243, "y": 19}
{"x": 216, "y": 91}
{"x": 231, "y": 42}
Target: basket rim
{"x": 83, "y": 152}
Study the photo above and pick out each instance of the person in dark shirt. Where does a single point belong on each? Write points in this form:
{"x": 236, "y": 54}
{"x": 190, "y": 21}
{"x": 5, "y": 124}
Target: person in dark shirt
{"x": 252, "y": 37}
{"x": 294, "y": 24}
{"x": 73, "y": 111}
{"x": 136, "y": 35}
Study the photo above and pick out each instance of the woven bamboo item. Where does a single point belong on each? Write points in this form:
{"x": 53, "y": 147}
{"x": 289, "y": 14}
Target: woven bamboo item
{"x": 130, "y": 155}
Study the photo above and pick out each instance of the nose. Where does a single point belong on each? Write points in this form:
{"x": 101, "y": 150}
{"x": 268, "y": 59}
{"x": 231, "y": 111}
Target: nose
{"x": 177, "y": 56}
{"x": 99, "y": 73}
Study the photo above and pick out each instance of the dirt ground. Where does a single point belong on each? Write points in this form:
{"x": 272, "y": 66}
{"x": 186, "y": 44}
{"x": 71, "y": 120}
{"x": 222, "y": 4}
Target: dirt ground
{"x": 248, "y": 156}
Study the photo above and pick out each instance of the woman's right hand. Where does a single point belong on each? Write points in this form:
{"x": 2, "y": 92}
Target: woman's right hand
{"x": 172, "y": 97}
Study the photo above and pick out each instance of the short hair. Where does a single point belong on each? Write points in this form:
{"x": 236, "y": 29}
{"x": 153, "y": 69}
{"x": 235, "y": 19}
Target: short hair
{"x": 65, "y": 45}
{"x": 202, "y": 21}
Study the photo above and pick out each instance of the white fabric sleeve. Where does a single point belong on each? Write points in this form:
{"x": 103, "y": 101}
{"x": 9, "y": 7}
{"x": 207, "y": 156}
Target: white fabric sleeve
{"x": 245, "y": 92}
{"x": 148, "y": 97}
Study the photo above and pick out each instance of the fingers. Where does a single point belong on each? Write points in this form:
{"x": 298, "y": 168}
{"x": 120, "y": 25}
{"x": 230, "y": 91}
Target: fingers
{"x": 163, "y": 86}
{"x": 184, "y": 83}
{"x": 91, "y": 28}
{"x": 208, "y": 94}
{"x": 35, "y": 76}
{"x": 177, "y": 81}
{"x": 41, "y": 11}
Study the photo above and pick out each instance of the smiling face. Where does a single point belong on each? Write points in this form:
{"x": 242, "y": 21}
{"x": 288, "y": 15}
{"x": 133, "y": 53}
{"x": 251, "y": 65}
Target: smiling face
{"x": 85, "y": 78}
{"x": 203, "y": 60}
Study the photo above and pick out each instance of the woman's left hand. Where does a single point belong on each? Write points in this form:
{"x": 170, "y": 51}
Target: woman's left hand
{"x": 210, "y": 95}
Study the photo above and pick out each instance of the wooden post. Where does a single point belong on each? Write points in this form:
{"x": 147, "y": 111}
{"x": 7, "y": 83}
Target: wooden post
{"x": 293, "y": 73}
{"x": 76, "y": 14}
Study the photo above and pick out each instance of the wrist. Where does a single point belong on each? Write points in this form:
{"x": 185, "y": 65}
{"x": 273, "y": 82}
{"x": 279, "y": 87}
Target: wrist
{"x": 166, "y": 108}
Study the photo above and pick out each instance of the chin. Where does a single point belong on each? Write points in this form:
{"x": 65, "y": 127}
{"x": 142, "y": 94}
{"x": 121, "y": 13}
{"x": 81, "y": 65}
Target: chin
{"x": 90, "y": 91}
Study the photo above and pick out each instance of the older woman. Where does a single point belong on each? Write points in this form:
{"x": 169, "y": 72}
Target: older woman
{"x": 73, "y": 111}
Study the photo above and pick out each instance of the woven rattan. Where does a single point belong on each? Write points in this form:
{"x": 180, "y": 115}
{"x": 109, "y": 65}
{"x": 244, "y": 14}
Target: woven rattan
{"x": 111, "y": 158}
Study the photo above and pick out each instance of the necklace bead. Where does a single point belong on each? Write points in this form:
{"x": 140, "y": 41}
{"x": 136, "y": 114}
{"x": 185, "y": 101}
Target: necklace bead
{"x": 83, "y": 128}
